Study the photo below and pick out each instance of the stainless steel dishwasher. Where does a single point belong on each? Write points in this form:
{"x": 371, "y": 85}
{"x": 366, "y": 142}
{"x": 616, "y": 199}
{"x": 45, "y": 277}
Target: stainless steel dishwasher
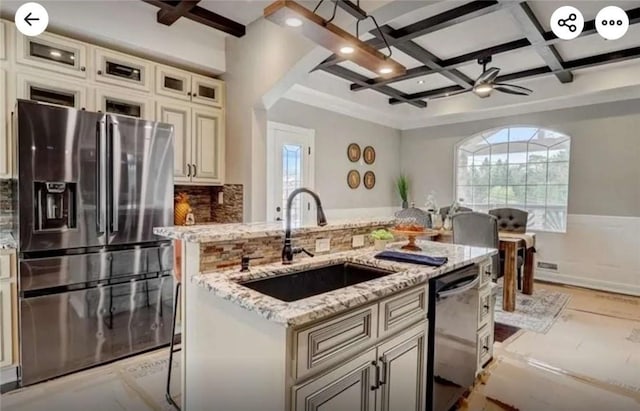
{"x": 453, "y": 325}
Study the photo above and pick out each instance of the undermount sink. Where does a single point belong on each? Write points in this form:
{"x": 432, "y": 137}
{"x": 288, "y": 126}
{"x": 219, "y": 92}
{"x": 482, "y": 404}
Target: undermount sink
{"x": 306, "y": 283}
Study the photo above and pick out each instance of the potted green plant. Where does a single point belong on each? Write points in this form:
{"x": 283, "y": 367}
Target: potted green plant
{"x": 381, "y": 238}
{"x": 402, "y": 185}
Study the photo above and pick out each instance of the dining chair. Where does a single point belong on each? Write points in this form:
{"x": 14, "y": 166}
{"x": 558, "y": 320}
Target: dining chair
{"x": 479, "y": 230}
{"x": 513, "y": 220}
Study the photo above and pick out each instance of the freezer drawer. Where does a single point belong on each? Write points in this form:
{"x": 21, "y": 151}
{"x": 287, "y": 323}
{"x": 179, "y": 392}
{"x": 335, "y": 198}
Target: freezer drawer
{"x": 66, "y": 332}
{"x": 103, "y": 266}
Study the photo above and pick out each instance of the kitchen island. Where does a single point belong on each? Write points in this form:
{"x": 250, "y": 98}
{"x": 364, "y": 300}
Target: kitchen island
{"x": 358, "y": 347}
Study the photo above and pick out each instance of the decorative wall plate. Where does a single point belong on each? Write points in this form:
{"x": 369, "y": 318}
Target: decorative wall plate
{"x": 369, "y": 180}
{"x": 353, "y": 152}
{"x": 353, "y": 179}
{"x": 369, "y": 155}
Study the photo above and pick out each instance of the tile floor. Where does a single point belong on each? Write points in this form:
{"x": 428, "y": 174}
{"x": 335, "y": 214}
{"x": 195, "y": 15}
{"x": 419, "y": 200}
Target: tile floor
{"x": 588, "y": 361}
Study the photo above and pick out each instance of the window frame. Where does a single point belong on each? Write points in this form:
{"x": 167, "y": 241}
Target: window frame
{"x": 491, "y": 131}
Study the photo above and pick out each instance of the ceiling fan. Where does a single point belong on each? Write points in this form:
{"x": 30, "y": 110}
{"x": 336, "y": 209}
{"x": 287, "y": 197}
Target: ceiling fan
{"x": 485, "y": 83}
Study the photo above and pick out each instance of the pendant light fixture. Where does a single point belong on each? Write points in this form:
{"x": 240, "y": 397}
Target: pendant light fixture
{"x": 293, "y": 15}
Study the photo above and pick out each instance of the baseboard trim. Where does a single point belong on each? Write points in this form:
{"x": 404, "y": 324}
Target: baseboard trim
{"x": 8, "y": 375}
{"x": 599, "y": 285}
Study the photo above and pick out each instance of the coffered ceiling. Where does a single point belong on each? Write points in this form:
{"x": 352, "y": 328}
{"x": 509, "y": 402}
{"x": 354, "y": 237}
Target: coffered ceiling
{"x": 441, "y": 43}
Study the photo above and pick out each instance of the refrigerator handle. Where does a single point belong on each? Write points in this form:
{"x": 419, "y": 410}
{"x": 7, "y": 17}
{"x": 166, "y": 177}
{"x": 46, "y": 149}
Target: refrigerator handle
{"x": 114, "y": 180}
{"x": 100, "y": 176}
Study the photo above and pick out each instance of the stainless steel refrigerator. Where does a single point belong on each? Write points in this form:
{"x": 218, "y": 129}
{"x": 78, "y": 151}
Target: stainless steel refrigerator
{"x": 95, "y": 283}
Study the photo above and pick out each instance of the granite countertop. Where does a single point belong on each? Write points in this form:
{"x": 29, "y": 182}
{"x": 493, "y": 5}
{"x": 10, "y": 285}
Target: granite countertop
{"x": 243, "y": 231}
{"x": 7, "y": 242}
{"x": 225, "y": 284}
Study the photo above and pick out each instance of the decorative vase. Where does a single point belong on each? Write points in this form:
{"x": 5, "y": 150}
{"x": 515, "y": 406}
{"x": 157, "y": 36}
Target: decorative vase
{"x": 447, "y": 223}
{"x": 380, "y": 244}
{"x": 405, "y": 204}
{"x": 181, "y": 209}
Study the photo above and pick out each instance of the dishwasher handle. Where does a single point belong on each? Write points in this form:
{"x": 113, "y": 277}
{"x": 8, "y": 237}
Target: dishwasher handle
{"x": 461, "y": 289}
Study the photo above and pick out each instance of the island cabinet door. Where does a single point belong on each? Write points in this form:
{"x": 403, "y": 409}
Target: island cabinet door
{"x": 403, "y": 371}
{"x": 347, "y": 388}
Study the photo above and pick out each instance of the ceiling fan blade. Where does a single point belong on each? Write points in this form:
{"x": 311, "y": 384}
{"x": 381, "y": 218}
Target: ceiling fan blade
{"x": 488, "y": 76}
{"x": 512, "y": 89}
{"x": 453, "y": 93}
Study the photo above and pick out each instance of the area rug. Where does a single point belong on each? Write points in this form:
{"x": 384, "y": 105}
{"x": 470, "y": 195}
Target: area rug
{"x": 535, "y": 312}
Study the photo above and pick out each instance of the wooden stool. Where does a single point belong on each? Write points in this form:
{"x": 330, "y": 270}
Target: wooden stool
{"x": 177, "y": 276}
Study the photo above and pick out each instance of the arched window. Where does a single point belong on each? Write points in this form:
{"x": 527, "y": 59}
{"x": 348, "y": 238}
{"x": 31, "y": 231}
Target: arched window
{"x": 519, "y": 166}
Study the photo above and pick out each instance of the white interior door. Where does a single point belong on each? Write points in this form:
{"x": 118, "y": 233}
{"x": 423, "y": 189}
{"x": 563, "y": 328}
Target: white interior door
{"x": 290, "y": 165}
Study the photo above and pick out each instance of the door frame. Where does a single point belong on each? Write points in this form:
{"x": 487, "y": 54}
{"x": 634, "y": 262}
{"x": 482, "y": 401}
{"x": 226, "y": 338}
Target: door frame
{"x": 308, "y": 133}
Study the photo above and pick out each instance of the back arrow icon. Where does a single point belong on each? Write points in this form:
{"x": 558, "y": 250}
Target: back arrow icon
{"x": 28, "y": 19}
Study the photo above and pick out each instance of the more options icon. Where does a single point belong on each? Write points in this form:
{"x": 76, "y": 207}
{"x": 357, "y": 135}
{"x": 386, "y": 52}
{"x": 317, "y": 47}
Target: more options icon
{"x": 31, "y": 19}
{"x": 612, "y": 22}
{"x": 567, "y": 22}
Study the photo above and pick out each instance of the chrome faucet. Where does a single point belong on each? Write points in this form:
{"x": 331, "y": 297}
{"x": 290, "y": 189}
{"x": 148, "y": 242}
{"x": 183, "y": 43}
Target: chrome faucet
{"x": 288, "y": 251}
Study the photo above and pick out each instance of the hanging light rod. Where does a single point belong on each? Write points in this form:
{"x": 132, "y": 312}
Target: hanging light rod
{"x": 288, "y": 13}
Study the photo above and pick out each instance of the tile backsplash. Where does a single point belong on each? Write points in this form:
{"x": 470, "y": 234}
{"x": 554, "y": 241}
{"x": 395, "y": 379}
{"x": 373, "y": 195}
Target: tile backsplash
{"x": 6, "y": 204}
{"x": 204, "y": 202}
{"x": 224, "y": 255}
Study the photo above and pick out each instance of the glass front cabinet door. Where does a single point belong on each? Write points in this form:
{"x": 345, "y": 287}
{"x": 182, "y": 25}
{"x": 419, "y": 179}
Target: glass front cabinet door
{"x": 173, "y": 82}
{"x": 124, "y": 104}
{"x": 207, "y": 90}
{"x": 52, "y": 90}
{"x": 122, "y": 70}
{"x": 50, "y": 52}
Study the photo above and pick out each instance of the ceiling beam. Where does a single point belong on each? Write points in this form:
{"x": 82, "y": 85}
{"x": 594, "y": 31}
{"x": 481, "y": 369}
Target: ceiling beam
{"x": 534, "y": 32}
{"x": 428, "y": 59}
{"x": 577, "y": 64}
{"x": 389, "y": 91}
{"x": 169, "y": 16}
{"x": 352, "y": 8}
{"x": 202, "y": 16}
{"x": 429, "y": 25}
{"x": 458, "y": 61}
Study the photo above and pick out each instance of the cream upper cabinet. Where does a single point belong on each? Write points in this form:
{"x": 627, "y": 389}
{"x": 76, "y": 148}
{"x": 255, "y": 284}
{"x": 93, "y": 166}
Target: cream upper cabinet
{"x": 52, "y": 89}
{"x": 51, "y": 52}
{"x": 172, "y": 82}
{"x": 179, "y": 115}
{"x": 122, "y": 70}
{"x": 113, "y": 101}
{"x": 207, "y": 145}
{"x": 3, "y": 39}
{"x": 5, "y": 141}
{"x": 208, "y": 91}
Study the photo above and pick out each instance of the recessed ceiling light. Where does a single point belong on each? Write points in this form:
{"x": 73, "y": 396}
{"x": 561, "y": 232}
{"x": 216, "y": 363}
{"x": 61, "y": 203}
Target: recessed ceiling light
{"x": 55, "y": 53}
{"x": 420, "y": 81}
{"x": 386, "y": 70}
{"x": 293, "y": 22}
{"x": 347, "y": 50}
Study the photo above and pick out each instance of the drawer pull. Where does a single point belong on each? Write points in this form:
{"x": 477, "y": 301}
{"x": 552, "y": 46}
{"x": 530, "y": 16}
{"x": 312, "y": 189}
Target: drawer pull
{"x": 376, "y": 376}
{"x": 383, "y": 380}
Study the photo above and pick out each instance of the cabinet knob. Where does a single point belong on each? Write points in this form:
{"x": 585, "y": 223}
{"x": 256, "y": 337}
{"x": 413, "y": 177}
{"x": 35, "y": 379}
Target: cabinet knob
{"x": 83, "y": 68}
{"x": 189, "y": 93}
{"x": 195, "y": 95}
{"x": 100, "y": 72}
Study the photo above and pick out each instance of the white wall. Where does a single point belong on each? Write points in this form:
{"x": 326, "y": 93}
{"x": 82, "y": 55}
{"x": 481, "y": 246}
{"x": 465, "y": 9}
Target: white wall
{"x": 601, "y": 247}
{"x": 131, "y": 26}
{"x": 333, "y": 133}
